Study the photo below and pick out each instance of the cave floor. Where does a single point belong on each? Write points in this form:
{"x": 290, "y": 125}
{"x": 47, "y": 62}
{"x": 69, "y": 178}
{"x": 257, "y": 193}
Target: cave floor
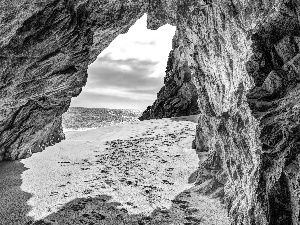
{"x": 133, "y": 173}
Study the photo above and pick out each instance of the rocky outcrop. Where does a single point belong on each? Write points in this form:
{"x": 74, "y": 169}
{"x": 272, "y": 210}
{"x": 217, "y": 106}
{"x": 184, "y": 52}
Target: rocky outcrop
{"x": 243, "y": 58}
{"x": 248, "y": 125}
{"x": 45, "y": 48}
{"x": 178, "y": 97}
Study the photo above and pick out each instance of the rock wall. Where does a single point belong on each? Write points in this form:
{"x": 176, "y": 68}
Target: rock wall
{"x": 243, "y": 57}
{"x": 178, "y": 97}
{"x": 45, "y": 48}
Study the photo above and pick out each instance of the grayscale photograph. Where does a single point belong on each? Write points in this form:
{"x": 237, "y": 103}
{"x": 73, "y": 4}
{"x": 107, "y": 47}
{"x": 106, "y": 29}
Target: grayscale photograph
{"x": 149, "y": 112}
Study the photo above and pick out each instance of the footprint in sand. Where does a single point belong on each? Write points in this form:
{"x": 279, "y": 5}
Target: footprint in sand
{"x": 167, "y": 182}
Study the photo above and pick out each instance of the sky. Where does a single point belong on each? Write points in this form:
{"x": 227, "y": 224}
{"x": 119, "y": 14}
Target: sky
{"x": 130, "y": 71}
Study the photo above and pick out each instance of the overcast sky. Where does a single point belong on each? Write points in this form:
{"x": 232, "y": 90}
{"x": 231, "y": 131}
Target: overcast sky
{"x": 130, "y": 71}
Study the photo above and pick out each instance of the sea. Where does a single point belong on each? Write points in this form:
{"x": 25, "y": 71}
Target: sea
{"x": 82, "y": 119}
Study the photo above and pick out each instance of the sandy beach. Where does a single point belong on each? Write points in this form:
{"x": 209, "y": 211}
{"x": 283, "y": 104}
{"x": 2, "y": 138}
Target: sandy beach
{"x": 135, "y": 173}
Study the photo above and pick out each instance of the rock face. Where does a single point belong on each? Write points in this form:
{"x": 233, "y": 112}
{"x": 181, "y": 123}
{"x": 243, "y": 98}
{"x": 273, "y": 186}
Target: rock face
{"x": 45, "y": 48}
{"x": 244, "y": 58}
{"x": 178, "y": 97}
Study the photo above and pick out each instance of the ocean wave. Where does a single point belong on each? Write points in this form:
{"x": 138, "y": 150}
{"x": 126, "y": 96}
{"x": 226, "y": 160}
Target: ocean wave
{"x": 82, "y": 119}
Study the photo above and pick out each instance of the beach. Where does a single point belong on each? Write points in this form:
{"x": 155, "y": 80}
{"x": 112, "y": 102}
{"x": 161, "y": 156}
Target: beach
{"x": 133, "y": 173}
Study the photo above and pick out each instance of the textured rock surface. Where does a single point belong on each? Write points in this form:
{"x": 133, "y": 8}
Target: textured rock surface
{"x": 178, "y": 97}
{"x": 245, "y": 63}
{"x": 45, "y": 48}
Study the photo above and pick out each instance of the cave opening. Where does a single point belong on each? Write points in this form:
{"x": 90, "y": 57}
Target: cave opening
{"x": 127, "y": 75}
{"x": 130, "y": 71}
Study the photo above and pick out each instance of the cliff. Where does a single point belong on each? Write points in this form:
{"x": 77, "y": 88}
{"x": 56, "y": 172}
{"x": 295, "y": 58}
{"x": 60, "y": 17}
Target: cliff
{"x": 178, "y": 97}
{"x": 244, "y": 62}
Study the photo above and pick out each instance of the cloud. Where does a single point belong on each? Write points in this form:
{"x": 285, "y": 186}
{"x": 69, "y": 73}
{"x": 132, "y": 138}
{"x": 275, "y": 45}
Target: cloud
{"x": 144, "y": 91}
{"x": 111, "y": 85}
{"x": 130, "y": 72}
{"x": 143, "y": 44}
{"x": 153, "y": 42}
{"x": 112, "y": 73}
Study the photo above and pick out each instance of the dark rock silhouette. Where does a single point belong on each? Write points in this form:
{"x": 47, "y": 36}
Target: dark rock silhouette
{"x": 14, "y": 200}
{"x": 244, "y": 62}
